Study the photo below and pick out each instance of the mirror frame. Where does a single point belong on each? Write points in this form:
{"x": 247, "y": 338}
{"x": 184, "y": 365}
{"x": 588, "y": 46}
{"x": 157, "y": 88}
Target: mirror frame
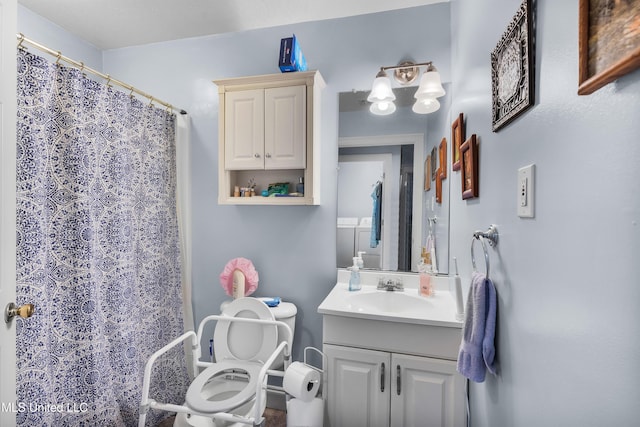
{"x": 417, "y": 140}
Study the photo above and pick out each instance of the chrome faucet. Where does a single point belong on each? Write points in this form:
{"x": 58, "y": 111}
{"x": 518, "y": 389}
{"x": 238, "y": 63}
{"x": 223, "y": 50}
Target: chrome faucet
{"x": 390, "y": 285}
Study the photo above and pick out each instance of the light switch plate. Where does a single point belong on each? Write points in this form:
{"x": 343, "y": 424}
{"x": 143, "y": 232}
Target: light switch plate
{"x": 526, "y": 186}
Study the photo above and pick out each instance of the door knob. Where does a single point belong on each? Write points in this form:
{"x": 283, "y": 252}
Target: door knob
{"x": 13, "y": 310}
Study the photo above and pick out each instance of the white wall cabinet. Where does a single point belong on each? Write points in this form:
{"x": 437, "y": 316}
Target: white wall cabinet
{"x": 372, "y": 388}
{"x": 269, "y": 133}
{"x": 244, "y": 130}
{"x": 265, "y": 129}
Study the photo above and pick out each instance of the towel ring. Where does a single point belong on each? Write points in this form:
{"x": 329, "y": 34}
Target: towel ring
{"x": 492, "y": 236}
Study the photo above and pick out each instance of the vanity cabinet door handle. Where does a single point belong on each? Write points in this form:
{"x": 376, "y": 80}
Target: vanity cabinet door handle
{"x": 382, "y": 378}
{"x": 398, "y": 381}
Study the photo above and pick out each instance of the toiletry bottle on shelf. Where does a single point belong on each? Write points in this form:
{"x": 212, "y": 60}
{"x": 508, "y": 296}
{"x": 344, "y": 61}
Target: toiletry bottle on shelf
{"x": 360, "y": 259}
{"x": 300, "y": 186}
{"x": 354, "y": 279}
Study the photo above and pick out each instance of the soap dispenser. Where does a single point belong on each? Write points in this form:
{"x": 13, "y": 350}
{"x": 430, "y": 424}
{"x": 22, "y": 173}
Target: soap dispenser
{"x": 354, "y": 279}
{"x": 425, "y": 288}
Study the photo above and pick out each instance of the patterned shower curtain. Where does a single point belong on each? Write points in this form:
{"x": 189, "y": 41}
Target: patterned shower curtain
{"x": 97, "y": 250}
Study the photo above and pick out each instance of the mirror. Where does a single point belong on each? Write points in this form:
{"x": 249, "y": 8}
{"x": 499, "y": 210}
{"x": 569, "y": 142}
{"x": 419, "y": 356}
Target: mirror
{"x": 385, "y": 158}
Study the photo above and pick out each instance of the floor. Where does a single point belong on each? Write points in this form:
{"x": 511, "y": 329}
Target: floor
{"x": 273, "y": 417}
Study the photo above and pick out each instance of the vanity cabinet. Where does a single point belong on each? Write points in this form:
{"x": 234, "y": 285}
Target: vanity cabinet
{"x": 381, "y": 389}
{"x": 391, "y": 373}
{"x": 269, "y": 133}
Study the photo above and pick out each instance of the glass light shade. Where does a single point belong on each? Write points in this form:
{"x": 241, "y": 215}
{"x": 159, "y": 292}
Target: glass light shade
{"x": 381, "y": 89}
{"x": 430, "y": 86}
{"x": 426, "y": 106}
{"x": 382, "y": 108}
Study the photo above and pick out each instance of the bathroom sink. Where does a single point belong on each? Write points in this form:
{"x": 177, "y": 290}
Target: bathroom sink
{"x": 392, "y": 306}
{"x": 388, "y": 302}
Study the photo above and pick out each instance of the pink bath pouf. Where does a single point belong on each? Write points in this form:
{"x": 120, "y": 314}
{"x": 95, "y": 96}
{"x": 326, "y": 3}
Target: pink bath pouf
{"x": 250, "y": 276}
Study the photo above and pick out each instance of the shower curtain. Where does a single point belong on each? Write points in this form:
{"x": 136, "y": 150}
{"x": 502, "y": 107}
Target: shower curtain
{"x": 98, "y": 250}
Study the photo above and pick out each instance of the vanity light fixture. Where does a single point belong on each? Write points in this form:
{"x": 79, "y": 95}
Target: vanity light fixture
{"x": 381, "y": 95}
{"x": 405, "y": 73}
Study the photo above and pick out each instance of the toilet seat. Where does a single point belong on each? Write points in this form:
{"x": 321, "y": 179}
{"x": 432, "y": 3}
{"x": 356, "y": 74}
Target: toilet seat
{"x": 241, "y": 348}
{"x": 197, "y": 400}
{"x": 245, "y": 341}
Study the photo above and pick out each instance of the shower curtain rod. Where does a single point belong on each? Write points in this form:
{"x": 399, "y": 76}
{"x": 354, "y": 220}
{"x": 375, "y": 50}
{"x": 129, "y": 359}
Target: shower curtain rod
{"x": 80, "y": 65}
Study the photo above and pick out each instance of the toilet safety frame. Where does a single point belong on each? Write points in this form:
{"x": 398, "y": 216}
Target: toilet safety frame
{"x": 257, "y": 419}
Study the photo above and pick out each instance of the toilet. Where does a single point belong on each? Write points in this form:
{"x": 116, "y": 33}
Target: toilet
{"x": 228, "y": 382}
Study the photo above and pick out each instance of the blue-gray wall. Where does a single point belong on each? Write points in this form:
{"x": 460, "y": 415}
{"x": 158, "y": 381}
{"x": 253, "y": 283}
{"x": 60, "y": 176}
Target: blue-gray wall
{"x": 38, "y": 29}
{"x": 293, "y": 248}
{"x": 568, "y": 335}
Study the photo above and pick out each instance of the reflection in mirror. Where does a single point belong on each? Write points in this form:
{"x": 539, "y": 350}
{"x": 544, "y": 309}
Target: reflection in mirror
{"x": 389, "y": 153}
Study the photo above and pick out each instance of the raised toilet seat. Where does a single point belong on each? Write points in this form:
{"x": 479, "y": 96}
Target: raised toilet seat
{"x": 198, "y": 395}
{"x": 240, "y": 351}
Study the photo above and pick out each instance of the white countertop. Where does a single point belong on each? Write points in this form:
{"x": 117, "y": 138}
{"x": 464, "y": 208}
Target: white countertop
{"x": 393, "y": 306}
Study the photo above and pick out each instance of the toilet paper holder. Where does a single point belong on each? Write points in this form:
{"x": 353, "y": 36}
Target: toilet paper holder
{"x": 322, "y": 355}
{"x": 302, "y": 411}
{"x": 307, "y": 363}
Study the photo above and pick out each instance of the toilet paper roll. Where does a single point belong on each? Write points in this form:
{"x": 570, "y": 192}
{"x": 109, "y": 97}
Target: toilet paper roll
{"x": 301, "y": 381}
{"x": 305, "y": 414}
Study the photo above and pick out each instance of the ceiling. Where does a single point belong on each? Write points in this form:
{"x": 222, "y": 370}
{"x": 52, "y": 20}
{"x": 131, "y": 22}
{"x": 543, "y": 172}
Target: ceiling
{"x": 112, "y": 24}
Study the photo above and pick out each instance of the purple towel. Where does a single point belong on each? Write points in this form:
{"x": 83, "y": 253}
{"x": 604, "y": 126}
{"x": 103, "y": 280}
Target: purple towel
{"x": 477, "y": 351}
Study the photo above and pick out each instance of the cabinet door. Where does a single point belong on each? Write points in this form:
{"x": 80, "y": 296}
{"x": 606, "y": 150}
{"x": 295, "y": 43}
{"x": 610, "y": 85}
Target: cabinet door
{"x": 426, "y": 393}
{"x": 285, "y": 142}
{"x": 244, "y": 130}
{"x": 357, "y": 387}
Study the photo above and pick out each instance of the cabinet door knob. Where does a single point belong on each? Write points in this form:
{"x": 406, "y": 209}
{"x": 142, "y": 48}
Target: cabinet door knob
{"x": 399, "y": 384}
{"x": 268, "y": 156}
{"x": 382, "y": 378}
{"x": 257, "y": 156}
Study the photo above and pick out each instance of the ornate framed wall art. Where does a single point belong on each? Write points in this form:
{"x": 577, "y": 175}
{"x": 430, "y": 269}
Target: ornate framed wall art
{"x": 608, "y": 42}
{"x": 443, "y": 158}
{"x": 457, "y": 138}
{"x": 434, "y": 163}
{"x": 512, "y": 68}
{"x": 469, "y": 152}
{"x": 427, "y": 173}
